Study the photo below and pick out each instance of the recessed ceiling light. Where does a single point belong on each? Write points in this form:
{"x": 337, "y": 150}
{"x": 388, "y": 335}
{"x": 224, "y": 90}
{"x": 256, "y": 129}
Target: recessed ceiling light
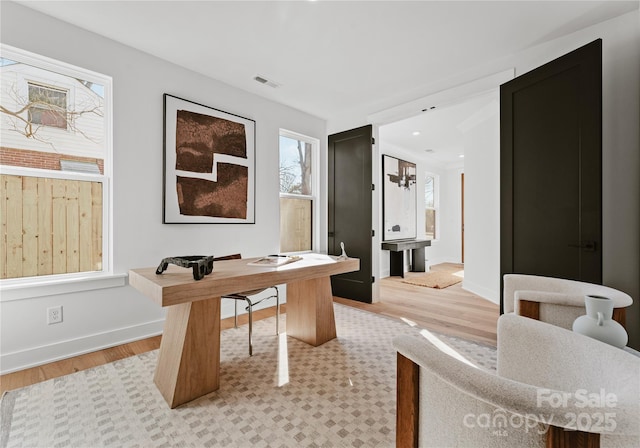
{"x": 428, "y": 150}
{"x": 416, "y": 132}
{"x": 461, "y": 156}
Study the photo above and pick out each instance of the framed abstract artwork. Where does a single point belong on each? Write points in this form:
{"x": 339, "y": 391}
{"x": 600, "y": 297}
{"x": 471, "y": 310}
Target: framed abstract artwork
{"x": 399, "y": 199}
{"x": 209, "y": 165}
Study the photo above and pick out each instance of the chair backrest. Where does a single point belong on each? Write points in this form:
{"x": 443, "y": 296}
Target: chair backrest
{"x": 228, "y": 257}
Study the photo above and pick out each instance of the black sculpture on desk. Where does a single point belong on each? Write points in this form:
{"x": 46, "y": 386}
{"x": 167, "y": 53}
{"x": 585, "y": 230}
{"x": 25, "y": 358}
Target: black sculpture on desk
{"x": 201, "y": 265}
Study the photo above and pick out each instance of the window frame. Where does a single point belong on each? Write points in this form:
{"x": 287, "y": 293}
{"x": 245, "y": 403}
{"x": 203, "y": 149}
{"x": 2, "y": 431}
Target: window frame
{"x": 436, "y": 203}
{"x": 314, "y": 197}
{"x": 52, "y": 284}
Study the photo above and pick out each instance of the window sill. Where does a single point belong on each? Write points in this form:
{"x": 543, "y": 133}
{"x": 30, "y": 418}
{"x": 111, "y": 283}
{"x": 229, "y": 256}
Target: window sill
{"x": 12, "y": 290}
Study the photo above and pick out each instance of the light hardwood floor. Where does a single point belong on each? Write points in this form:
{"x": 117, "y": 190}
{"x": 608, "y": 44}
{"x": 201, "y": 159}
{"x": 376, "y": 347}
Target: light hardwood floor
{"x": 452, "y": 311}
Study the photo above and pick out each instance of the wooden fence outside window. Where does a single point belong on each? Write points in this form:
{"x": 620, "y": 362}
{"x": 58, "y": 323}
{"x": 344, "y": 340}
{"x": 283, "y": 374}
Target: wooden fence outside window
{"x": 49, "y": 226}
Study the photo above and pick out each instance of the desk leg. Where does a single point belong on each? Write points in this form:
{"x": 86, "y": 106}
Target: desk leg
{"x": 189, "y": 357}
{"x": 310, "y": 315}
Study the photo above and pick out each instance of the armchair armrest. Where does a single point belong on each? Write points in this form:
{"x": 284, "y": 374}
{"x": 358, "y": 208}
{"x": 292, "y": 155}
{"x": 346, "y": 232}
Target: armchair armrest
{"x": 559, "y": 309}
{"x": 450, "y": 394}
{"x": 554, "y": 359}
{"x": 524, "y": 282}
{"x": 556, "y": 300}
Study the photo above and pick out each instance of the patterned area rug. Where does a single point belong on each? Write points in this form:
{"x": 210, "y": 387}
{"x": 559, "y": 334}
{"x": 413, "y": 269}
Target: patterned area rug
{"x": 288, "y": 394}
{"x": 435, "y": 279}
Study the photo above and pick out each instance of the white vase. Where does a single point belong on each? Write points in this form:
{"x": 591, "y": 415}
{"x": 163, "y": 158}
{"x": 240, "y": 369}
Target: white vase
{"x": 597, "y": 323}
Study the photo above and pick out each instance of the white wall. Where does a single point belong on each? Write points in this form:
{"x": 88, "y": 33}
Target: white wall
{"x": 482, "y": 209}
{"x": 621, "y": 154}
{"x": 111, "y": 316}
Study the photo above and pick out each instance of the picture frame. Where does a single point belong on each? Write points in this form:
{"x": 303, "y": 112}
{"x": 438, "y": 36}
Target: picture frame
{"x": 209, "y": 165}
{"x": 399, "y": 199}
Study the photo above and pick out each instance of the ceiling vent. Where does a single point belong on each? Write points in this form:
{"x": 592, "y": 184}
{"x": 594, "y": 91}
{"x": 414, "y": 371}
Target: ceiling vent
{"x": 267, "y": 82}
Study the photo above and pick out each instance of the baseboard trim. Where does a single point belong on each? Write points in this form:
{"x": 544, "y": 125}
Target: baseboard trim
{"x": 44, "y": 354}
{"x": 481, "y": 291}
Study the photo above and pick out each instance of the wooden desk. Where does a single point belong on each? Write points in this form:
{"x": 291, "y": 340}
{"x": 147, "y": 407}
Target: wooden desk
{"x": 189, "y": 357}
{"x": 396, "y": 255}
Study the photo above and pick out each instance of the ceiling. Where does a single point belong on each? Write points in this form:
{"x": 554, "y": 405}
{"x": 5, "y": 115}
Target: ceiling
{"x": 332, "y": 58}
{"x": 438, "y": 135}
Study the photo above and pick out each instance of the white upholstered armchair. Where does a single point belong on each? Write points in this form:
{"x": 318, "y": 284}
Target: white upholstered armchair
{"x": 546, "y": 374}
{"x": 555, "y": 300}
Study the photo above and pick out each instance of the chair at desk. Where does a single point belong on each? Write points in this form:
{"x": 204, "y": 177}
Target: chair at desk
{"x": 247, "y": 296}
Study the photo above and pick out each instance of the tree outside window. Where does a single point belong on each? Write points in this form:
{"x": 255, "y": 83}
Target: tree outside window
{"x": 55, "y": 169}
{"x": 295, "y": 166}
{"x": 296, "y": 192}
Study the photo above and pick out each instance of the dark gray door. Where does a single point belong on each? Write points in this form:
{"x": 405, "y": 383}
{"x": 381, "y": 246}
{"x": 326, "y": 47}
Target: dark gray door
{"x": 350, "y": 219}
{"x": 551, "y": 173}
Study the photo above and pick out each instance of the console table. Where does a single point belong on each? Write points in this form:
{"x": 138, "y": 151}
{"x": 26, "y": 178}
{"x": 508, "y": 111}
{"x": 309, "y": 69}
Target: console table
{"x": 396, "y": 255}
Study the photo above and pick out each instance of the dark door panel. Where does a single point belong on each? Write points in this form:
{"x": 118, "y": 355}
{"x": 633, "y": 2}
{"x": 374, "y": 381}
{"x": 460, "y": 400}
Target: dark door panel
{"x": 551, "y": 169}
{"x": 350, "y": 219}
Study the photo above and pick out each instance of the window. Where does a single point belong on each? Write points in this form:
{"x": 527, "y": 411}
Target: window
{"x": 55, "y": 170}
{"x": 298, "y": 167}
{"x": 47, "y": 106}
{"x": 430, "y": 206}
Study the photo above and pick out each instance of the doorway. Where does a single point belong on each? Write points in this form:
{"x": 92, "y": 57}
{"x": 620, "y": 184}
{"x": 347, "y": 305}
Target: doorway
{"x": 442, "y": 141}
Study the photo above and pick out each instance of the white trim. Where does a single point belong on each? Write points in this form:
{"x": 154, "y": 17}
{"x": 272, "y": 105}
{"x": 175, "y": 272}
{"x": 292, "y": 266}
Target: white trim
{"x": 44, "y": 354}
{"x": 52, "y": 285}
{"x": 53, "y": 65}
{"x": 62, "y": 68}
{"x": 315, "y": 184}
{"x": 297, "y": 196}
{"x": 436, "y": 203}
{"x": 481, "y": 291}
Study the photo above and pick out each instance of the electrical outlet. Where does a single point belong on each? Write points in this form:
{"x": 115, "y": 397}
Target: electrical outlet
{"x": 54, "y": 315}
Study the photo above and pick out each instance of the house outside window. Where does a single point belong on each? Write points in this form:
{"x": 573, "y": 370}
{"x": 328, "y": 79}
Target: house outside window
{"x": 298, "y": 190}
{"x": 55, "y": 170}
{"x": 430, "y": 206}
